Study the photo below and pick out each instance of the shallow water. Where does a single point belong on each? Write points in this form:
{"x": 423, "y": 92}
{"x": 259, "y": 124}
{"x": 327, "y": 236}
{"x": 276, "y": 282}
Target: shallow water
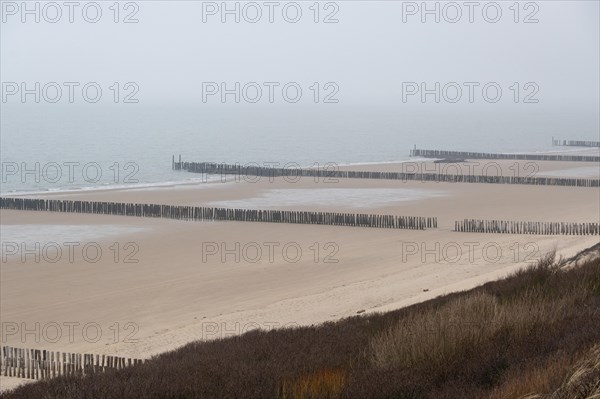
{"x": 344, "y": 197}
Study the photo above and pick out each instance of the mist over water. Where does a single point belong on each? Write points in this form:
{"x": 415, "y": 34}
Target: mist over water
{"x": 134, "y": 144}
{"x": 362, "y": 53}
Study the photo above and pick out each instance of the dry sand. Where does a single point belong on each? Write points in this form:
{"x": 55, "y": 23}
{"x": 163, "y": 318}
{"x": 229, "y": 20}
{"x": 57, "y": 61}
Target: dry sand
{"x": 178, "y": 292}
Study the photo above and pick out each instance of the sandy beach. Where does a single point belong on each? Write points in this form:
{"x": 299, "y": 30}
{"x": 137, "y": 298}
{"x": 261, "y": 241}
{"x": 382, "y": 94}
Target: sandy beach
{"x": 308, "y": 178}
{"x": 159, "y": 284}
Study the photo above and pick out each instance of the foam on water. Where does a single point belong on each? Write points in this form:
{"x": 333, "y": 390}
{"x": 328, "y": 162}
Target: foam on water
{"x": 130, "y": 186}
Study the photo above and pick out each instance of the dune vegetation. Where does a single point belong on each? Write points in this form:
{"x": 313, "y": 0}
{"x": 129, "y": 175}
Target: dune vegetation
{"x": 534, "y": 334}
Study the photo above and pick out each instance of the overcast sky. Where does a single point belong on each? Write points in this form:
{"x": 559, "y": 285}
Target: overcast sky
{"x": 368, "y": 53}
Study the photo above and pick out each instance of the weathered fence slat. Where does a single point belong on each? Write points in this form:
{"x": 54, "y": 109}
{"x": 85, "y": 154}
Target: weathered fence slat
{"x": 44, "y": 364}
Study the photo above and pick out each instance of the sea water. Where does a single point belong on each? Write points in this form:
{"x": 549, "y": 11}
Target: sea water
{"x": 46, "y": 148}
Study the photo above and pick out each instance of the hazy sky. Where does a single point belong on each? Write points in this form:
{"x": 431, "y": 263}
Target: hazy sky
{"x": 368, "y": 53}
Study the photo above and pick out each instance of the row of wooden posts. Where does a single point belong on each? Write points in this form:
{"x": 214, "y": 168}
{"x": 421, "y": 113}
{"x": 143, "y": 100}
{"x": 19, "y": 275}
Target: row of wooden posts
{"x": 517, "y": 227}
{"x": 575, "y": 143}
{"x": 43, "y": 364}
{"x": 197, "y": 213}
{"x": 244, "y": 170}
{"x": 181, "y": 212}
{"x": 480, "y": 155}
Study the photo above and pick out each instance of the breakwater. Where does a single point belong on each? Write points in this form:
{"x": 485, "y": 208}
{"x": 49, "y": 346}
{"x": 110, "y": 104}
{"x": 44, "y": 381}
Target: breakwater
{"x": 523, "y": 227}
{"x": 197, "y": 213}
{"x": 575, "y": 143}
{"x": 483, "y": 155}
{"x": 295, "y": 173}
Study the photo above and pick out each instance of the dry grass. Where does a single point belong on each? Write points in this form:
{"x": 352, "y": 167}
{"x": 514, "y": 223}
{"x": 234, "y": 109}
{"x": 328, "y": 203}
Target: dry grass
{"x": 534, "y": 334}
{"x": 542, "y": 377}
{"x": 326, "y": 384}
{"x": 435, "y": 337}
{"x": 584, "y": 382}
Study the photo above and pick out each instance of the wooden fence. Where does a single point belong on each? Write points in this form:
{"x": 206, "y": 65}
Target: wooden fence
{"x": 240, "y": 170}
{"x": 196, "y": 213}
{"x": 575, "y": 143}
{"x": 42, "y": 364}
{"x": 517, "y": 227}
{"x": 482, "y": 155}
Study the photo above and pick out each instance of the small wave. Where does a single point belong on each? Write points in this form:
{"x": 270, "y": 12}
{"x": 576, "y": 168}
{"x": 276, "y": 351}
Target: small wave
{"x": 129, "y": 186}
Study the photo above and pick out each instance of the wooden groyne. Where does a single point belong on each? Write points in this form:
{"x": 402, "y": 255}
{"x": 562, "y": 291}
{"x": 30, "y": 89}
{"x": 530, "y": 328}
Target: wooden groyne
{"x": 197, "y": 213}
{"x": 575, "y": 143}
{"x": 518, "y": 227}
{"x": 43, "y": 364}
{"x": 267, "y": 172}
{"x": 483, "y": 155}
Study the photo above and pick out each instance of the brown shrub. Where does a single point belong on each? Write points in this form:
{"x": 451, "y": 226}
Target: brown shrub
{"x": 326, "y": 384}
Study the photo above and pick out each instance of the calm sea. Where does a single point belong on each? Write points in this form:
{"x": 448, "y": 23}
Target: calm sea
{"x": 45, "y": 148}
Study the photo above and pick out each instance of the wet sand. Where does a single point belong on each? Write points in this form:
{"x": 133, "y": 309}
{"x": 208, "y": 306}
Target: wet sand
{"x": 205, "y": 280}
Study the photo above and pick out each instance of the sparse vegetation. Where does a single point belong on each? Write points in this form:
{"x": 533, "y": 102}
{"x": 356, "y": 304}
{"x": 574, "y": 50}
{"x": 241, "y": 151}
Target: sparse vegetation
{"x": 534, "y": 334}
{"x": 327, "y": 384}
